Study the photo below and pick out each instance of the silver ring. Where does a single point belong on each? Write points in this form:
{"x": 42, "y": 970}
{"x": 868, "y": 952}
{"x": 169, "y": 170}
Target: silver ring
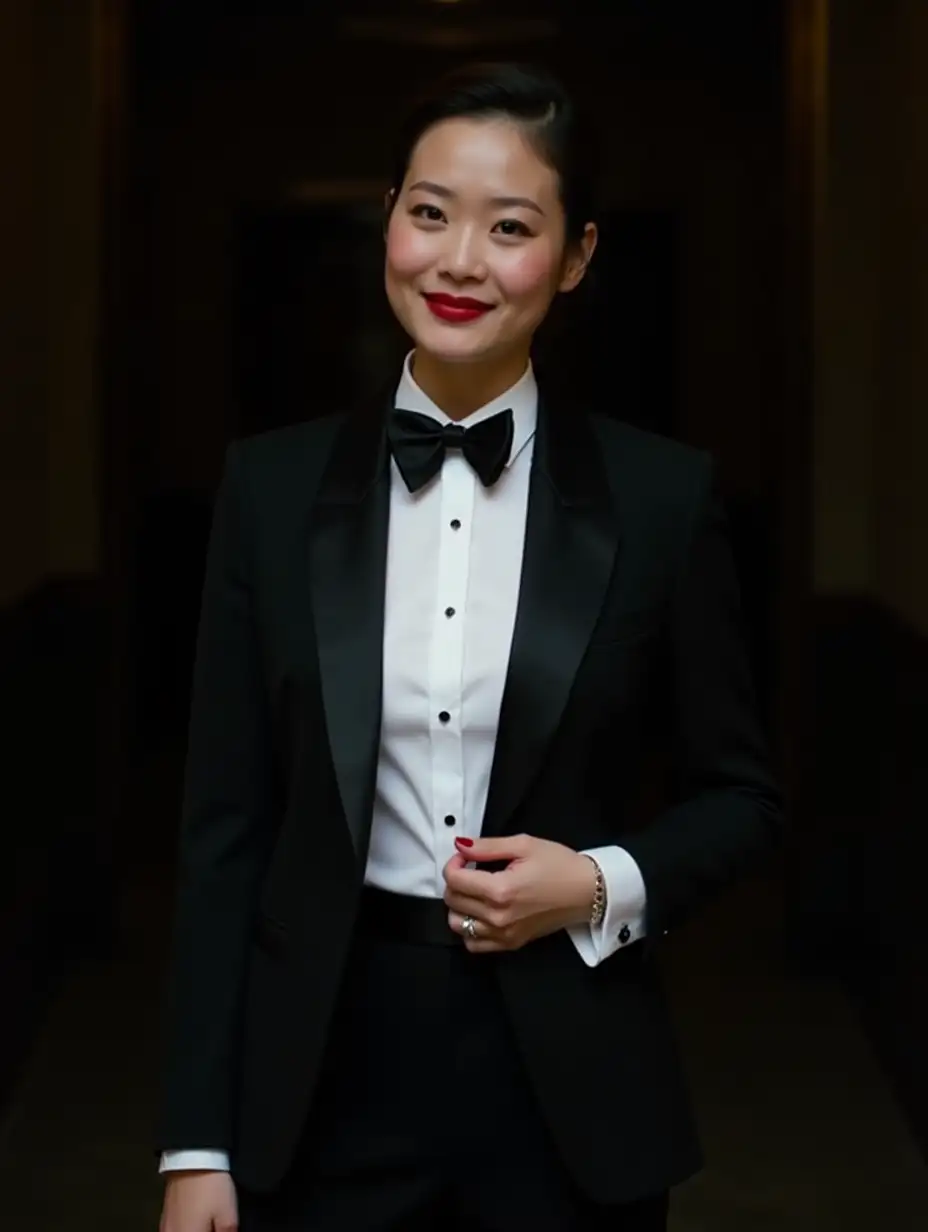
{"x": 469, "y": 926}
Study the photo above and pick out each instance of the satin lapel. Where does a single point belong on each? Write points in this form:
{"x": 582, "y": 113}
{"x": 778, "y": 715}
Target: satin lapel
{"x": 348, "y": 547}
{"x": 571, "y": 539}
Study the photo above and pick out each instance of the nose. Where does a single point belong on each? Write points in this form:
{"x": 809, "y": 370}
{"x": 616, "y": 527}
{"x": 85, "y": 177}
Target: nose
{"x": 462, "y": 256}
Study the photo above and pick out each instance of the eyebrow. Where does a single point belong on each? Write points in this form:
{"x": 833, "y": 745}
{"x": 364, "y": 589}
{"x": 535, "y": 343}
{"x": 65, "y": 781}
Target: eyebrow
{"x": 438, "y": 190}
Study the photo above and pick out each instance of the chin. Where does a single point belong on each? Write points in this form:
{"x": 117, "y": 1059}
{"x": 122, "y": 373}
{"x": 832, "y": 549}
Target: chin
{"x": 453, "y": 354}
{"x": 453, "y": 345}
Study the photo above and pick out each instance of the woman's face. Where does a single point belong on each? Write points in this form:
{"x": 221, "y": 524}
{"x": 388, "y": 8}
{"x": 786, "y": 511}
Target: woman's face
{"x": 476, "y": 243}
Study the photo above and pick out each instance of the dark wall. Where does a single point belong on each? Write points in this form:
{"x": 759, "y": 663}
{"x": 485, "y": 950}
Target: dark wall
{"x": 861, "y": 915}
{"x": 56, "y": 875}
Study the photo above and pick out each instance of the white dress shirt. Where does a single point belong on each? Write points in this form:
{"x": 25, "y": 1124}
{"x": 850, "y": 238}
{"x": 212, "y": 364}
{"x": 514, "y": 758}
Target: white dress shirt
{"x": 454, "y": 560}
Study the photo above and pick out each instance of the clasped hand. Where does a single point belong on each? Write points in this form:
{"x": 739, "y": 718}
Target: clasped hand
{"x": 545, "y": 887}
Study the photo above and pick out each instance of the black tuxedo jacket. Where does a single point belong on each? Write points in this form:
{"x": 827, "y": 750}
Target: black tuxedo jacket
{"x": 627, "y": 639}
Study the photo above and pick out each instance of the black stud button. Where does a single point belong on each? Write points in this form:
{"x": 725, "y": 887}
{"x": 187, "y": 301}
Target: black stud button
{"x": 444, "y": 717}
{"x": 449, "y": 612}
{"x": 455, "y": 523}
{"x": 625, "y": 934}
{"x": 450, "y": 821}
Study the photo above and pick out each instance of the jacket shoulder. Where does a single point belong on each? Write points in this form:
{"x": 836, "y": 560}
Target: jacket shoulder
{"x": 639, "y": 447}
{"x": 307, "y": 439}
{"x": 284, "y": 458}
{"x": 655, "y": 468}
{"x": 276, "y": 474}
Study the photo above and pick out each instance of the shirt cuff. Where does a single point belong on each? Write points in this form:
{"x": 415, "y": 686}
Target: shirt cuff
{"x": 209, "y": 1161}
{"x": 624, "y": 920}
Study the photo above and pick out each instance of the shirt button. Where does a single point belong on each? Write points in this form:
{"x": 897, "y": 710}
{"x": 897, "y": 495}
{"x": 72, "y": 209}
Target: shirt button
{"x": 449, "y": 820}
{"x": 444, "y": 717}
{"x": 625, "y": 934}
{"x": 449, "y": 612}
{"x": 455, "y": 523}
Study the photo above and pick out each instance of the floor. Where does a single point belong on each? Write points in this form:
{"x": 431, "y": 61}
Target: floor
{"x": 800, "y": 1128}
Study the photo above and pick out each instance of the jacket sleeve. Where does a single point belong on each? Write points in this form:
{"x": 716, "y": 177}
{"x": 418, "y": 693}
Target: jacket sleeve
{"x": 225, "y": 837}
{"x": 728, "y": 808}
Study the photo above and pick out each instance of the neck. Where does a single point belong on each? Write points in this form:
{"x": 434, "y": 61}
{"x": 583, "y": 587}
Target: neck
{"x": 462, "y": 389}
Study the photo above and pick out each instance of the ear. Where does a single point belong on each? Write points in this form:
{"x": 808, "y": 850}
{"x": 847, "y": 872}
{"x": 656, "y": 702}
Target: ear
{"x": 578, "y": 258}
{"x": 389, "y": 202}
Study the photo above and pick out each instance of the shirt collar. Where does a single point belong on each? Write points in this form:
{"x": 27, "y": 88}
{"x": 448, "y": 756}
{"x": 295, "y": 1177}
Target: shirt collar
{"x": 521, "y": 398}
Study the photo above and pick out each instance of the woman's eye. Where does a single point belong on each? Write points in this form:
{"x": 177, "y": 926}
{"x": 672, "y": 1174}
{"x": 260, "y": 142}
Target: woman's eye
{"x": 512, "y": 226}
{"x": 431, "y": 213}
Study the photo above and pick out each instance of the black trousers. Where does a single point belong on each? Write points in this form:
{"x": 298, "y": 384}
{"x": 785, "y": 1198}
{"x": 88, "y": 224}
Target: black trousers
{"x": 424, "y": 1119}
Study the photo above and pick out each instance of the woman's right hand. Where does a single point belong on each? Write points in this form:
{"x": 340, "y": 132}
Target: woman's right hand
{"x": 199, "y": 1202}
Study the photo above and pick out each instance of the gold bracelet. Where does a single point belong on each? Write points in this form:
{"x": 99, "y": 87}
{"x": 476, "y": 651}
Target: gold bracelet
{"x": 598, "y": 910}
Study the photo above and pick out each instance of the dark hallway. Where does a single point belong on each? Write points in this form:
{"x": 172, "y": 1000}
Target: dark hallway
{"x": 761, "y": 292}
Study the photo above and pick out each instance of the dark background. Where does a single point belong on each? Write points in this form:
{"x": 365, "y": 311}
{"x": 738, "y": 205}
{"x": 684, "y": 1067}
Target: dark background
{"x": 190, "y": 237}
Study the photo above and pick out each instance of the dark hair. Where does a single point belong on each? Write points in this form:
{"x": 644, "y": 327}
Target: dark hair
{"x": 533, "y": 99}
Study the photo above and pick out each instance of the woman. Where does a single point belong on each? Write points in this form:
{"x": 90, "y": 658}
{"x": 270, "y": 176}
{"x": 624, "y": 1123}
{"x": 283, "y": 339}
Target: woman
{"x": 413, "y": 979}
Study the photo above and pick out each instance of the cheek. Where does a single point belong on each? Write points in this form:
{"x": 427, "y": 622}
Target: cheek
{"x": 407, "y": 251}
{"x": 530, "y": 276}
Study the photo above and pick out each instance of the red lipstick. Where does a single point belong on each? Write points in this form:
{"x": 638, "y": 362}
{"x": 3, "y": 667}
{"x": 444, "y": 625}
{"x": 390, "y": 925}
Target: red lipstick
{"x": 456, "y": 308}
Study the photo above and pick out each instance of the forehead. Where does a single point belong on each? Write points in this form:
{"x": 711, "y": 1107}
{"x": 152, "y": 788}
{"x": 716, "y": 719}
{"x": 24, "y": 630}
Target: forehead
{"x": 490, "y": 154}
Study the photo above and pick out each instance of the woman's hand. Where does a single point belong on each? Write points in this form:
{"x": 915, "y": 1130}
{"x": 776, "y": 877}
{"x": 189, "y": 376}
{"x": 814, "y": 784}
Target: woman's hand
{"x": 545, "y": 887}
{"x": 199, "y": 1202}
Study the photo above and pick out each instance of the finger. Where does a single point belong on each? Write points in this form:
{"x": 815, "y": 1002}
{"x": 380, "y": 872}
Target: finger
{"x": 483, "y": 947}
{"x": 484, "y": 943}
{"x": 454, "y": 868}
{"x": 227, "y": 1221}
{"x": 456, "y": 923}
{"x": 457, "y": 862}
{"x": 470, "y": 882}
{"x": 466, "y": 904}
{"x": 490, "y": 888}
{"x": 511, "y": 847}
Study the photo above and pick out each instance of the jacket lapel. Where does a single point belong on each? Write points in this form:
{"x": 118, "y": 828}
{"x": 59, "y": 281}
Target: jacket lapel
{"x": 571, "y": 539}
{"x": 348, "y": 548}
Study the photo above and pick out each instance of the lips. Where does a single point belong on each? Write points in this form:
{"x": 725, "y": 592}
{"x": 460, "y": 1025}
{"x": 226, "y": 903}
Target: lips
{"x": 456, "y": 308}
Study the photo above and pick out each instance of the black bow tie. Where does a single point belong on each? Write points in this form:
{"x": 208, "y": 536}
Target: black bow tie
{"x": 419, "y": 442}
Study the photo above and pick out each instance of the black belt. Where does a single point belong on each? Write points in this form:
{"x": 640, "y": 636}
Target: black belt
{"x": 403, "y": 917}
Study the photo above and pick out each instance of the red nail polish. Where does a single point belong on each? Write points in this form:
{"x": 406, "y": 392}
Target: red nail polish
{"x": 464, "y": 842}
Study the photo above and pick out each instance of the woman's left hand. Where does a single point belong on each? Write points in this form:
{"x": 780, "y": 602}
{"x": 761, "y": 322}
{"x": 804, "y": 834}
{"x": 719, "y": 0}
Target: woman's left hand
{"x": 544, "y": 888}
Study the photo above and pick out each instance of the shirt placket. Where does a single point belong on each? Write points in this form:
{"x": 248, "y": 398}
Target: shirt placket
{"x": 446, "y": 662}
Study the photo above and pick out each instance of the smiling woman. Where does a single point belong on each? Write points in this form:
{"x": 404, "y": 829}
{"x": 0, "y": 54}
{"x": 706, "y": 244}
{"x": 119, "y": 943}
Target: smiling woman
{"x": 490, "y": 218}
{"x": 412, "y": 982}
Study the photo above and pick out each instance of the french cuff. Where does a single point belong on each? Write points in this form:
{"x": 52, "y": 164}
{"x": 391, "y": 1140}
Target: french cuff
{"x": 626, "y": 900}
{"x": 180, "y": 1161}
